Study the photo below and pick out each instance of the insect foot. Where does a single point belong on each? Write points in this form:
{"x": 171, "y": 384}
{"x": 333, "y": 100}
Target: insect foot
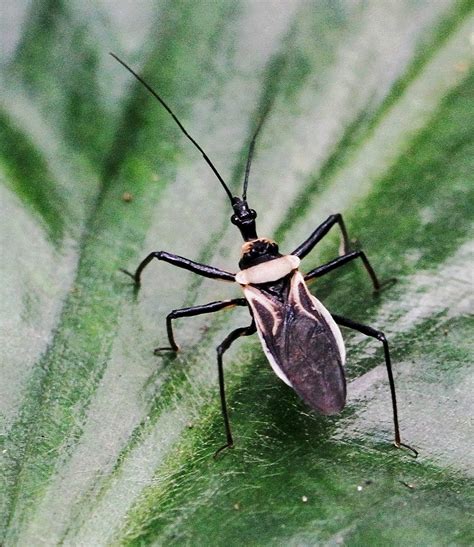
{"x": 414, "y": 453}
{"x": 157, "y": 351}
{"x": 221, "y": 451}
{"x": 126, "y": 272}
{"x": 384, "y": 285}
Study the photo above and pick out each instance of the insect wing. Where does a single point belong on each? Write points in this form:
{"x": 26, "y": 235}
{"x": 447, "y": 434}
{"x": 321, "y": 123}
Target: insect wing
{"x": 303, "y": 344}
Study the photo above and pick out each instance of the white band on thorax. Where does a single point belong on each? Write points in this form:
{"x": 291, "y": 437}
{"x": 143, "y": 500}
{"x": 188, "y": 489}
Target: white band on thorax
{"x": 269, "y": 271}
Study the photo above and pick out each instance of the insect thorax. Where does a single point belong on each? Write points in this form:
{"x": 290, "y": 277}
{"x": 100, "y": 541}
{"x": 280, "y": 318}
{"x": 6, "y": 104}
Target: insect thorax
{"x": 261, "y": 262}
{"x": 257, "y": 251}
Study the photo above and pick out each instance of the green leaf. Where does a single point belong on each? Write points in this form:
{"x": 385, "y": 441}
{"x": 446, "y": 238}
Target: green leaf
{"x": 101, "y": 442}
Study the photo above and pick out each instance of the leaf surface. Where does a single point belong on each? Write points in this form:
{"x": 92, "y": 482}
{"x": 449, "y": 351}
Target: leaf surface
{"x": 104, "y": 443}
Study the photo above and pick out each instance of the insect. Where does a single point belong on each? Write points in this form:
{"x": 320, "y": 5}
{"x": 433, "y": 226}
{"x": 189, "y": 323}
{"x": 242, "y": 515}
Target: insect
{"x": 300, "y": 338}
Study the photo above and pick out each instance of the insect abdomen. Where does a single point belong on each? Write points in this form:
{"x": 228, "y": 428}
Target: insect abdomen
{"x": 302, "y": 343}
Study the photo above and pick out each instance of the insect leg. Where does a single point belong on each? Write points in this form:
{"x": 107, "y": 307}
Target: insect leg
{"x": 379, "y": 335}
{"x": 318, "y": 234}
{"x": 221, "y": 349}
{"x": 196, "y": 310}
{"x": 341, "y": 260}
{"x": 181, "y": 262}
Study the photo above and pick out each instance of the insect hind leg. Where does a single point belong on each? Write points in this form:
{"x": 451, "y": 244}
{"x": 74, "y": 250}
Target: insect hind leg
{"x": 221, "y": 349}
{"x": 380, "y": 336}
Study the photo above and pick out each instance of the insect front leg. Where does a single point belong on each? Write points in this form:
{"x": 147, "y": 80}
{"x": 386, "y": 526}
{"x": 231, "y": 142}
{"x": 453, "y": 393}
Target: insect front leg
{"x": 318, "y": 234}
{"x": 379, "y": 335}
{"x": 221, "y": 349}
{"x": 341, "y": 261}
{"x": 195, "y": 310}
{"x": 180, "y": 262}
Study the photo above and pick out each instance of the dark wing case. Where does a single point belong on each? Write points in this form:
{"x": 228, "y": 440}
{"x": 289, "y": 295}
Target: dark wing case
{"x": 301, "y": 339}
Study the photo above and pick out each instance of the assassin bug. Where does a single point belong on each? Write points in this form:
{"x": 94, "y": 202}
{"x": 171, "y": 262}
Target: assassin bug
{"x": 300, "y": 338}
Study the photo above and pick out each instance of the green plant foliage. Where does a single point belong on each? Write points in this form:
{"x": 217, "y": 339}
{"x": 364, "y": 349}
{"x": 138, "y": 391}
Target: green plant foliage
{"x": 103, "y": 443}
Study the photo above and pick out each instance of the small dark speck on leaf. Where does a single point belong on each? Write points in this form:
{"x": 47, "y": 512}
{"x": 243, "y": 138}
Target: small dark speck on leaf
{"x": 408, "y": 485}
{"x": 127, "y": 196}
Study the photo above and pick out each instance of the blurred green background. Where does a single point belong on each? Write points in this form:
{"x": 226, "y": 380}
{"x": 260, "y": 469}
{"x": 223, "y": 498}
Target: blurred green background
{"x": 101, "y": 442}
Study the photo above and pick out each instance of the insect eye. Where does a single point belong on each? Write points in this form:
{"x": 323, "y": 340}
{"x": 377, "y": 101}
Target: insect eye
{"x": 234, "y": 219}
{"x": 253, "y": 213}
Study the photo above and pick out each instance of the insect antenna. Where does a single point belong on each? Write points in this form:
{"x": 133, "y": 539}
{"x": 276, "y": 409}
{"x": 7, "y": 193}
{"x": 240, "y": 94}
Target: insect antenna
{"x": 180, "y": 125}
{"x": 251, "y": 149}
